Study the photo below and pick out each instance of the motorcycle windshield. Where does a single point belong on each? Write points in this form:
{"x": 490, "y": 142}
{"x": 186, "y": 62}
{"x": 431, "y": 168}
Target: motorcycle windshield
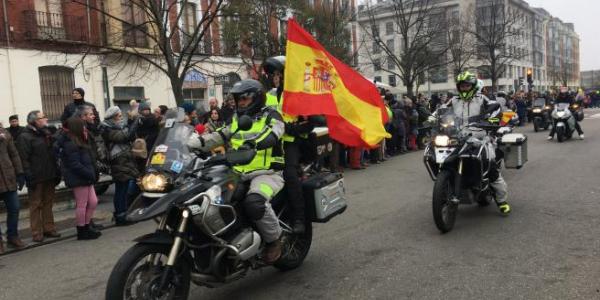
{"x": 562, "y": 106}
{"x": 539, "y": 102}
{"x": 450, "y": 123}
{"x": 170, "y": 153}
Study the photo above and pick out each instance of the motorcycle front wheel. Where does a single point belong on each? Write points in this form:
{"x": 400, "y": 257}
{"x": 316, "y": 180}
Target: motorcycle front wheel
{"x": 444, "y": 211}
{"x": 560, "y": 134}
{"x": 138, "y": 274}
{"x": 536, "y": 125}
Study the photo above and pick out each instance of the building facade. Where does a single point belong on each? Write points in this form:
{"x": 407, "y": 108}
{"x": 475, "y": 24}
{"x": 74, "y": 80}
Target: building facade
{"x": 544, "y": 46}
{"x": 590, "y": 80}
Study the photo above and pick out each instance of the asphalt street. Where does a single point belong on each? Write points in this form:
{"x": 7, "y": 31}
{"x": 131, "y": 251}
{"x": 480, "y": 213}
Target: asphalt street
{"x": 386, "y": 245}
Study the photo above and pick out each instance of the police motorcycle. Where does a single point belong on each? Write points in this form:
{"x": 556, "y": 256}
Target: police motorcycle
{"x": 459, "y": 161}
{"x": 202, "y": 235}
{"x": 542, "y": 114}
{"x": 564, "y": 120}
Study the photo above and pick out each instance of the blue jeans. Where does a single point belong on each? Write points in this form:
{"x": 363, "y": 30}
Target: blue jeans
{"x": 11, "y": 200}
{"x": 121, "y": 193}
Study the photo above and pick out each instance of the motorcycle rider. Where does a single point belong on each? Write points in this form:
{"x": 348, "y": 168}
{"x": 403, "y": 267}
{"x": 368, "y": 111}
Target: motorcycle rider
{"x": 565, "y": 97}
{"x": 469, "y": 104}
{"x": 263, "y": 172}
{"x": 296, "y": 129}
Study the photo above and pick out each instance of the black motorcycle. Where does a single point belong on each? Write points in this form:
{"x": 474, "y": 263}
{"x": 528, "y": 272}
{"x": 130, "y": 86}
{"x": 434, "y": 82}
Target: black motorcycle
{"x": 541, "y": 114}
{"x": 203, "y": 236}
{"x": 458, "y": 160}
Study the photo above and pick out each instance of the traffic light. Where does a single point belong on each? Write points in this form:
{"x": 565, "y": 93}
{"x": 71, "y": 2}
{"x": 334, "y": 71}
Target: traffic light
{"x": 529, "y": 76}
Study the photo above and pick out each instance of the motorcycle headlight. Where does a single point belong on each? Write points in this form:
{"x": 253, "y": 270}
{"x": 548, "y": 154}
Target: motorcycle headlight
{"x": 547, "y": 107}
{"x": 561, "y": 114}
{"x": 442, "y": 140}
{"x": 154, "y": 182}
{"x": 575, "y": 106}
{"x": 537, "y": 110}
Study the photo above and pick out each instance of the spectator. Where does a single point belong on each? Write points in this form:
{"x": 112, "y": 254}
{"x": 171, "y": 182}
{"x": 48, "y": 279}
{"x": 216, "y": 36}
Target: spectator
{"x": 213, "y": 103}
{"x": 521, "y": 106}
{"x": 214, "y": 121}
{"x": 78, "y": 95}
{"x": 228, "y": 109}
{"x": 14, "y": 129}
{"x": 148, "y": 128}
{"x": 42, "y": 174}
{"x": 78, "y": 169}
{"x": 190, "y": 112}
{"x": 133, "y": 110}
{"x": 160, "y": 111}
{"x": 11, "y": 178}
{"x": 118, "y": 138}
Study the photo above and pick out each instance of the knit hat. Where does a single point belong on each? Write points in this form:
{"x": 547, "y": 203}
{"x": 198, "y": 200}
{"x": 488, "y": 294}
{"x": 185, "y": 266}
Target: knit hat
{"x": 143, "y": 106}
{"x": 13, "y": 117}
{"x": 188, "y": 107}
{"x": 111, "y": 112}
{"x": 80, "y": 91}
{"x": 139, "y": 148}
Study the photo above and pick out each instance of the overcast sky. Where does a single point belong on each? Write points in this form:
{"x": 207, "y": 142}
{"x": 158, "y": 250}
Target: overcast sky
{"x": 585, "y": 14}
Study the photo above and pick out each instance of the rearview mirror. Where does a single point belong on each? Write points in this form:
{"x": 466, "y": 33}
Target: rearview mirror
{"x": 244, "y": 123}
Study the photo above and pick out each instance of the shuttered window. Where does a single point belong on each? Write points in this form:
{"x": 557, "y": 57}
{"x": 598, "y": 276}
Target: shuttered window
{"x": 56, "y": 85}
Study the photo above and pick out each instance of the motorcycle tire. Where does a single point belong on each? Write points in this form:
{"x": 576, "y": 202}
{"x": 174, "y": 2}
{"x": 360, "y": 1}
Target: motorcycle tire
{"x": 560, "y": 134}
{"x": 116, "y": 286}
{"x": 444, "y": 212}
{"x": 101, "y": 188}
{"x": 536, "y": 127}
{"x": 295, "y": 248}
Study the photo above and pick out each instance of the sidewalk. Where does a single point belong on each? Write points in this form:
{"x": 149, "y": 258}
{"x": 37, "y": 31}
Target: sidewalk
{"x": 64, "y": 218}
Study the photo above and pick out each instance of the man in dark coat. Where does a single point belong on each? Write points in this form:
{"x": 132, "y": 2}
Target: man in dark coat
{"x": 41, "y": 172}
{"x": 11, "y": 178}
{"x": 78, "y": 100}
{"x": 14, "y": 129}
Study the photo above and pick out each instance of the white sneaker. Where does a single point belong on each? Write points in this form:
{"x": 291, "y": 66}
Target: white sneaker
{"x": 581, "y": 137}
{"x": 550, "y": 138}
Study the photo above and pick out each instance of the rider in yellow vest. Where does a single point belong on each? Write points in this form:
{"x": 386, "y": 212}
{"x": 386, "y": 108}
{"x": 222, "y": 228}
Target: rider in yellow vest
{"x": 264, "y": 172}
{"x": 296, "y": 128}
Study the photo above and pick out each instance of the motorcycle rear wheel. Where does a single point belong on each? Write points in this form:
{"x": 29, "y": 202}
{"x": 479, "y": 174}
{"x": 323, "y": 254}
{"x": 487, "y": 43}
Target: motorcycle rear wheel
{"x": 295, "y": 249}
{"x": 136, "y": 267}
{"x": 444, "y": 211}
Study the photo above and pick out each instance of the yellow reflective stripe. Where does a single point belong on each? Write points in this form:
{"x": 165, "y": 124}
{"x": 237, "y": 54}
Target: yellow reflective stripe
{"x": 266, "y": 190}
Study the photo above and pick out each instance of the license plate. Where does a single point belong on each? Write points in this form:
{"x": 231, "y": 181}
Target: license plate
{"x": 441, "y": 154}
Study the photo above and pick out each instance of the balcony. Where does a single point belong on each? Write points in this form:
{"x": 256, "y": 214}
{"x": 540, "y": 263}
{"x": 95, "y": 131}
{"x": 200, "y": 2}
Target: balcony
{"x": 39, "y": 25}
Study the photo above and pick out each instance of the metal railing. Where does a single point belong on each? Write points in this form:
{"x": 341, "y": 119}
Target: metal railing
{"x": 41, "y": 25}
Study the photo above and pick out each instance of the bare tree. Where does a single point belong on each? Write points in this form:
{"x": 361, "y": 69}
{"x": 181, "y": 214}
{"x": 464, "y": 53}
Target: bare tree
{"x": 423, "y": 44}
{"x": 163, "y": 35}
{"x": 497, "y": 29}
{"x": 462, "y": 46}
{"x": 248, "y": 29}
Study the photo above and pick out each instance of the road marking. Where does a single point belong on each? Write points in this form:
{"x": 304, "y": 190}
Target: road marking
{"x": 596, "y": 116}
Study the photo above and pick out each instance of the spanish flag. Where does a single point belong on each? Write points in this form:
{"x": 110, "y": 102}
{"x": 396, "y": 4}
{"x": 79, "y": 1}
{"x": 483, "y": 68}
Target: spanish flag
{"x": 316, "y": 83}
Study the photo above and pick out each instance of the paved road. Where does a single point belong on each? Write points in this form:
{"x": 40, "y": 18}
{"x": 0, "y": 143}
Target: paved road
{"x": 386, "y": 245}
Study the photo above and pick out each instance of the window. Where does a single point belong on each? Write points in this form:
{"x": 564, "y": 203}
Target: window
{"x": 392, "y": 80}
{"x": 56, "y": 84}
{"x": 439, "y": 75}
{"x": 49, "y": 19}
{"x": 376, "y": 48}
{"x": 377, "y": 79}
{"x": 134, "y": 29}
{"x": 124, "y": 94}
{"x": 195, "y": 96}
{"x": 389, "y": 28}
{"x": 377, "y": 64}
{"x": 375, "y": 30}
{"x": 189, "y": 21}
{"x": 390, "y": 45}
{"x": 390, "y": 63}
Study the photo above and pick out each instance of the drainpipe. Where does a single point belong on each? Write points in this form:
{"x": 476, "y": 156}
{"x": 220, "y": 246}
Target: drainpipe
{"x": 89, "y": 20}
{"x": 9, "y": 64}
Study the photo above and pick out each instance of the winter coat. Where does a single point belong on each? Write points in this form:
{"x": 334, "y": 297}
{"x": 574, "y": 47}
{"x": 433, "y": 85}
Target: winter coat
{"x": 15, "y": 132}
{"x": 77, "y": 164}
{"x": 10, "y": 162}
{"x": 148, "y": 130}
{"x": 37, "y": 155}
{"x": 118, "y": 139}
{"x": 226, "y": 114}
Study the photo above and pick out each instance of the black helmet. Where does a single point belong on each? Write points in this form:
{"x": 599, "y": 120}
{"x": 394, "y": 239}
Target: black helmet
{"x": 249, "y": 88}
{"x": 275, "y": 63}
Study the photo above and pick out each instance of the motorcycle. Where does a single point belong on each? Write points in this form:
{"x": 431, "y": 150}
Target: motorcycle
{"x": 564, "y": 121}
{"x": 203, "y": 235}
{"x": 459, "y": 160}
{"x": 541, "y": 113}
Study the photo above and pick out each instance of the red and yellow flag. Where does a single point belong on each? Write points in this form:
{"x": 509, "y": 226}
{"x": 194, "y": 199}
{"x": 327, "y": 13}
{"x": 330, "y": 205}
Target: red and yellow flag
{"x": 317, "y": 83}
